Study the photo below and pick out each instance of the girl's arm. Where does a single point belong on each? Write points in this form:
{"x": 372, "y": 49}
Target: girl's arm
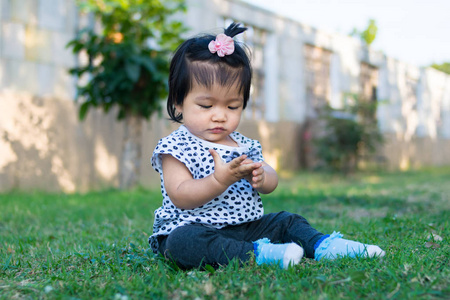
{"x": 188, "y": 193}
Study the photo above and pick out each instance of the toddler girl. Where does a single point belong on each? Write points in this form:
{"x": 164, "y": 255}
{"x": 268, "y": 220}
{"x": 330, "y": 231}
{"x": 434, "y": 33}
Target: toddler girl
{"x": 211, "y": 175}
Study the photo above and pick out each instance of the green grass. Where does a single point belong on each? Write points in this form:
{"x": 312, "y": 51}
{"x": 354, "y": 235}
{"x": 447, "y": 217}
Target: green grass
{"x": 93, "y": 246}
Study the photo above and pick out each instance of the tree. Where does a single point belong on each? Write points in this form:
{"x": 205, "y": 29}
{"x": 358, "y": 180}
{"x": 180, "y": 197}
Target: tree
{"x": 445, "y": 67}
{"x": 127, "y": 66}
{"x": 368, "y": 35}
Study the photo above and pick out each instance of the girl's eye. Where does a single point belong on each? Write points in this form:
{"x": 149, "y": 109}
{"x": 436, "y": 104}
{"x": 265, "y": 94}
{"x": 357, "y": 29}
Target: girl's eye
{"x": 233, "y": 107}
{"x": 205, "y": 106}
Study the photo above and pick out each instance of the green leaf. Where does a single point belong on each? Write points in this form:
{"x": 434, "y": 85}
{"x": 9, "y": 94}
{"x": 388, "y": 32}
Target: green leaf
{"x": 210, "y": 269}
{"x": 133, "y": 70}
{"x": 148, "y": 64}
{"x": 121, "y": 114}
{"x": 83, "y": 110}
{"x": 71, "y": 43}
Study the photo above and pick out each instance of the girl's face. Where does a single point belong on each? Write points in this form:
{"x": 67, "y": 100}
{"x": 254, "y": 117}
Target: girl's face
{"x": 212, "y": 113}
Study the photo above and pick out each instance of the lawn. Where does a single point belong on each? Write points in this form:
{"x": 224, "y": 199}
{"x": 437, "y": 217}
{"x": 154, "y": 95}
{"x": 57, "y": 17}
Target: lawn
{"x": 93, "y": 246}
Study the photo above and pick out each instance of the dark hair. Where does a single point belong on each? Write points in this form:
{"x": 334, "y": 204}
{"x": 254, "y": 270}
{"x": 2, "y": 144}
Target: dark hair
{"x": 193, "y": 61}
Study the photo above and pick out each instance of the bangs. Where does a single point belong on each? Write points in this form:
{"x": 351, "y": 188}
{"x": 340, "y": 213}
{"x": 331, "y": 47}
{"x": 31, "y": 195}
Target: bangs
{"x": 207, "y": 74}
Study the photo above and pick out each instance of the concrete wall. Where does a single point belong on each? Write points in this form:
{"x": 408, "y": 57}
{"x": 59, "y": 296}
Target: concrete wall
{"x": 33, "y": 57}
{"x": 414, "y": 115}
{"x": 44, "y": 146}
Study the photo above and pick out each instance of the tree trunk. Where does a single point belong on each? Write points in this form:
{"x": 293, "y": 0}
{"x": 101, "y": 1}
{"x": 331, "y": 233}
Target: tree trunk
{"x": 130, "y": 163}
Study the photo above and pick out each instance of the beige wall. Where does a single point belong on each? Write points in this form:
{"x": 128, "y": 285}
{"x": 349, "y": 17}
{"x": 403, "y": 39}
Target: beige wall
{"x": 43, "y": 146}
{"x": 415, "y": 153}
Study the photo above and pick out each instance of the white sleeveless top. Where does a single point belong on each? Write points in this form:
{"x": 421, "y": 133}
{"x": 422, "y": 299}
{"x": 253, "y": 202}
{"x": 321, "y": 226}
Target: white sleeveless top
{"x": 240, "y": 203}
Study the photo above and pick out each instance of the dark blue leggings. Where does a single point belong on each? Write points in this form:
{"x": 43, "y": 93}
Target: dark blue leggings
{"x": 195, "y": 245}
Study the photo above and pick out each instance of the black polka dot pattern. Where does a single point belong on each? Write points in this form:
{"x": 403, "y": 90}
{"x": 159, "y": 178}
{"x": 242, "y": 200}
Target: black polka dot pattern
{"x": 240, "y": 203}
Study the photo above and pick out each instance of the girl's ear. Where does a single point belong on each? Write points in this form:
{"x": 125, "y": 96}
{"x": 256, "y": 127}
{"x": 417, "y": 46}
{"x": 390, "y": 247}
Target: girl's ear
{"x": 179, "y": 108}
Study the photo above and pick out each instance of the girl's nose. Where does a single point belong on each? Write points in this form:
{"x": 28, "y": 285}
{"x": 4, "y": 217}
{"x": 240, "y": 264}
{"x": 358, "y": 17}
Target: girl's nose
{"x": 219, "y": 116}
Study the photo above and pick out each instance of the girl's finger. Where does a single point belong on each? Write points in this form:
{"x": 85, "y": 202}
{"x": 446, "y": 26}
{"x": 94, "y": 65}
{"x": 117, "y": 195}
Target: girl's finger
{"x": 257, "y": 171}
{"x": 237, "y": 161}
{"x": 247, "y": 161}
{"x": 215, "y": 156}
{"x": 250, "y": 167}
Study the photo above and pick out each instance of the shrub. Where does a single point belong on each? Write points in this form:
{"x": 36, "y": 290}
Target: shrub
{"x": 349, "y": 135}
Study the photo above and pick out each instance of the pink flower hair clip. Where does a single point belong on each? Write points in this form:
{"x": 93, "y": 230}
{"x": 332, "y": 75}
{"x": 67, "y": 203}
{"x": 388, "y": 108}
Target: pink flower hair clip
{"x": 223, "y": 45}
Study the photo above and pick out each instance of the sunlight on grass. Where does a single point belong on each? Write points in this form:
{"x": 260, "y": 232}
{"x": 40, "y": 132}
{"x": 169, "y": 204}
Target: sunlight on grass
{"x": 94, "y": 245}
{"x": 373, "y": 179}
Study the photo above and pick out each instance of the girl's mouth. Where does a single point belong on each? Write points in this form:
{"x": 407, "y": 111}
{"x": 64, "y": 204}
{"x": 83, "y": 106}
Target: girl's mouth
{"x": 217, "y": 130}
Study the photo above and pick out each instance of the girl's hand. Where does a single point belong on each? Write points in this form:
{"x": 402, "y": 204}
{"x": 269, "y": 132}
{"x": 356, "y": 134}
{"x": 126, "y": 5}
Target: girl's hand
{"x": 257, "y": 178}
{"x": 264, "y": 179}
{"x": 228, "y": 173}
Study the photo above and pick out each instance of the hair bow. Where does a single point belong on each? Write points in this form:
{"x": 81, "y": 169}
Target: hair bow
{"x": 252, "y": 154}
{"x": 223, "y": 45}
